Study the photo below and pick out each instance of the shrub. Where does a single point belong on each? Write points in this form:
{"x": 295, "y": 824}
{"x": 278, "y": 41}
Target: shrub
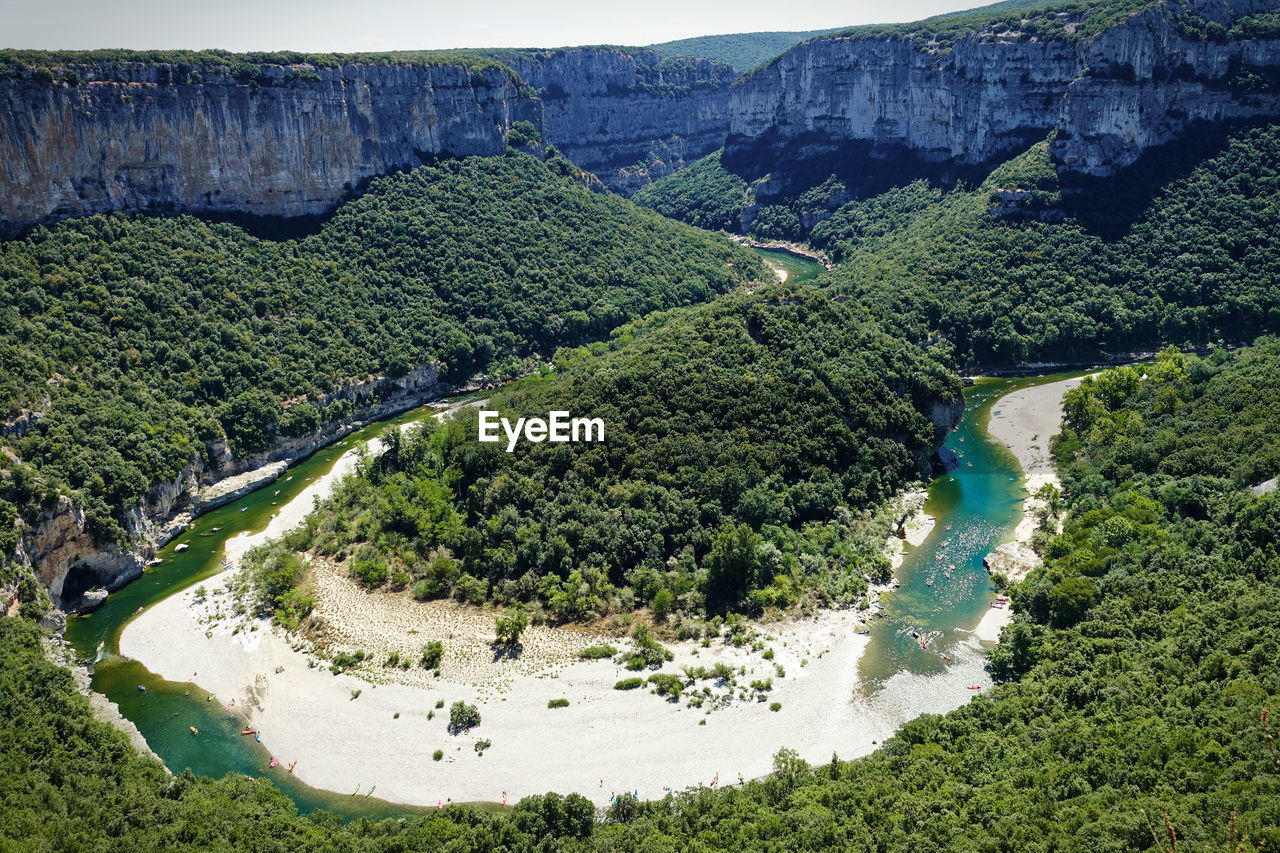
{"x": 628, "y": 684}
{"x": 437, "y": 755}
{"x": 597, "y": 652}
{"x": 510, "y": 625}
{"x": 667, "y": 685}
{"x": 463, "y": 716}
{"x": 482, "y": 745}
{"x": 432, "y": 654}
{"x": 558, "y": 703}
{"x": 775, "y": 706}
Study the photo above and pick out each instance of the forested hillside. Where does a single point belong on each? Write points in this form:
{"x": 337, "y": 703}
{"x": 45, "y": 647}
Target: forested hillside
{"x": 743, "y": 51}
{"x": 745, "y": 438}
{"x": 1142, "y": 675}
{"x": 1021, "y": 268}
{"x": 130, "y": 342}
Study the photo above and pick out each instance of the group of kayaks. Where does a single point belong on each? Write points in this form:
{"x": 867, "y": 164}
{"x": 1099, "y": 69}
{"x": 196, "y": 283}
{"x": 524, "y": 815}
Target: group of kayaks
{"x": 250, "y": 731}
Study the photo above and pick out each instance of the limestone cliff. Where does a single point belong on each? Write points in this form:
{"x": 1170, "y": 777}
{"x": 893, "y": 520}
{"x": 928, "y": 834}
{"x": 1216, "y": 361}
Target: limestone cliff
{"x": 130, "y": 136}
{"x": 628, "y": 115}
{"x": 1111, "y": 96}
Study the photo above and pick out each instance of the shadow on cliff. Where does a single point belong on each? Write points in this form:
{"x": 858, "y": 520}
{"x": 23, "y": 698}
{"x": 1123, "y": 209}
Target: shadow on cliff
{"x": 866, "y": 168}
{"x": 1129, "y": 193}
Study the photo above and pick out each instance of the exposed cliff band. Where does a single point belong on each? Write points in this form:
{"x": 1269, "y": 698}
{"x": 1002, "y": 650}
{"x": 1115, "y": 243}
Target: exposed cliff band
{"x": 971, "y": 98}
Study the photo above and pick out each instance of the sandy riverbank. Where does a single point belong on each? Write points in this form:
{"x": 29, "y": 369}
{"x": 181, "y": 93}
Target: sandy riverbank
{"x": 605, "y": 741}
{"x": 1024, "y": 420}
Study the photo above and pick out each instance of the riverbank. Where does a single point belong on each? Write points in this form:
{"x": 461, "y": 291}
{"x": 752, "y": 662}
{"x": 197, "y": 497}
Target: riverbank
{"x": 1024, "y": 421}
{"x": 381, "y": 726}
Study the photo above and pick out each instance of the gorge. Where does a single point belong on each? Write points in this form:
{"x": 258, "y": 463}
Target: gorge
{"x": 287, "y": 137}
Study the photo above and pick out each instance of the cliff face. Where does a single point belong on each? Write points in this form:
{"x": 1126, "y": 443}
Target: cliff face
{"x": 629, "y": 116}
{"x": 1138, "y": 84}
{"x": 1145, "y": 84}
{"x": 77, "y": 571}
{"x": 129, "y": 139}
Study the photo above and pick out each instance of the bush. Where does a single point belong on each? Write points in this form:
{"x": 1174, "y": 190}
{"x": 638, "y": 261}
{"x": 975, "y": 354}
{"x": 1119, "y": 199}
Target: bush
{"x": 432, "y": 654}
{"x": 370, "y": 569}
{"x": 437, "y": 755}
{"x": 647, "y": 652}
{"x": 775, "y": 706}
{"x": 597, "y": 652}
{"x": 667, "y": 685}
{"x": 510, "y": 625}
{"x": 558, "y": 703}
{"x": 463, "y": 716}
{"x": 482, "y": 745}
{"x": 629, "y": 684}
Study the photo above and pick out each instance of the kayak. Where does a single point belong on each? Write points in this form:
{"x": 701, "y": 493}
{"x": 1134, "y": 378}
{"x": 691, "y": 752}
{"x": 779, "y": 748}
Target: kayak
{"x": 194, "y": 730}
{"x": 248, "y": 731}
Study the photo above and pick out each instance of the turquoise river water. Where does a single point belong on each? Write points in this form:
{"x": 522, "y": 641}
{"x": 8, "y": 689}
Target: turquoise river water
{"x": 976, "y": 507}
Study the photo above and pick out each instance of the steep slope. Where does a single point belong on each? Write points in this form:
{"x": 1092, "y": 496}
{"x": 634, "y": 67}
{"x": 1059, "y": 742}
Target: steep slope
{"x": 265, "y": 136}
{"x": 630, "y": 115}
{"x": 1016, "y": 271}
{"x": 142, "y": 356}
{"x": 1114, "y": 79}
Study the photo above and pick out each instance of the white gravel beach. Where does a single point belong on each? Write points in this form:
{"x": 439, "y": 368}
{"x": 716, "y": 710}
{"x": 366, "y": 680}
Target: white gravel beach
{"x": 606, "y": 741}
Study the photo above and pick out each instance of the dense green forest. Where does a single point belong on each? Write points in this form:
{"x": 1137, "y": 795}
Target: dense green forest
{"x": 1141, "y": 677}
{"x": 748, "y": 442}
{"x": 186, "y": 66}
{"x": 743, "y": 51}
{"x": 704, "y": 193}
{"x": 1021, "y": 268}
{"x": 1043, "y": 279}
{"x": 137, "y": 340}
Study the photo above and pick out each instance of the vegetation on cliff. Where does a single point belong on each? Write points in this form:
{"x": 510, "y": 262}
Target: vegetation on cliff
{"x": 748, "y": 443}
{"x": 132, "y": 342}
{"x": 743, "y": 51}
{"x": 1141, "y": 677}
{"x": 1181, "y": 249}
{"x": 188, "y": 66}
{"x": 1017, "y": 270}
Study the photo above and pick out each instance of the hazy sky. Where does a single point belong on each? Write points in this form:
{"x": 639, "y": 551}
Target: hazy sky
{"x": 356, "y": 25}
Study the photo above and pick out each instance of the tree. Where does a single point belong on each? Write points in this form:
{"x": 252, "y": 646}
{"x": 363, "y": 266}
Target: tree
{"x": 663, "y": 601}
{"x": 432, "y": 654}
{"x": 1069, "y": 599}
{"x": 510, "y": 625}
{"x": 732, "y": 564}
{"x": 463, "y": 716}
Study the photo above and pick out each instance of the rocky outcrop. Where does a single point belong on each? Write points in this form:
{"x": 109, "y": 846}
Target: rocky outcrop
{"x": 293, "y": 142}
{"x": 1013, "y": 561}
{"x": 76, "y": 569}
{"x": 628, "y": 115}
{"x": 1146, "y": 82}
{"x": 1141, "y": 83}
{"x": 238, "y": 485}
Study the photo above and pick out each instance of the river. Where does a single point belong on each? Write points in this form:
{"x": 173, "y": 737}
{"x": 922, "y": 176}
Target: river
{"x": 798, "y": 269}
{"x": 976, "y": 507}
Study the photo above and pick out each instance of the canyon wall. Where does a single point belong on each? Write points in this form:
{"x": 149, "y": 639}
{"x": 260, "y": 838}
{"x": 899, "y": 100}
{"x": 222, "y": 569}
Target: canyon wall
{"x": 297, "y": 140}
{"x": 130, "y": 136}
{"x": 628, "y": 115}
{"x": 78, "y": 571}
{"x": 1143, "y": 82}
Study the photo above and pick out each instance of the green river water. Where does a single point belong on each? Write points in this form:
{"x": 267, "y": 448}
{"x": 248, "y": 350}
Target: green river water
{"x": 798, "y": 268}
{"x": 979, "y": 502}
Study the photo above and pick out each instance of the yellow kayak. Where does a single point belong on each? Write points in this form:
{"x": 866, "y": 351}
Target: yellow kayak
{"x": 194, "y": 730}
